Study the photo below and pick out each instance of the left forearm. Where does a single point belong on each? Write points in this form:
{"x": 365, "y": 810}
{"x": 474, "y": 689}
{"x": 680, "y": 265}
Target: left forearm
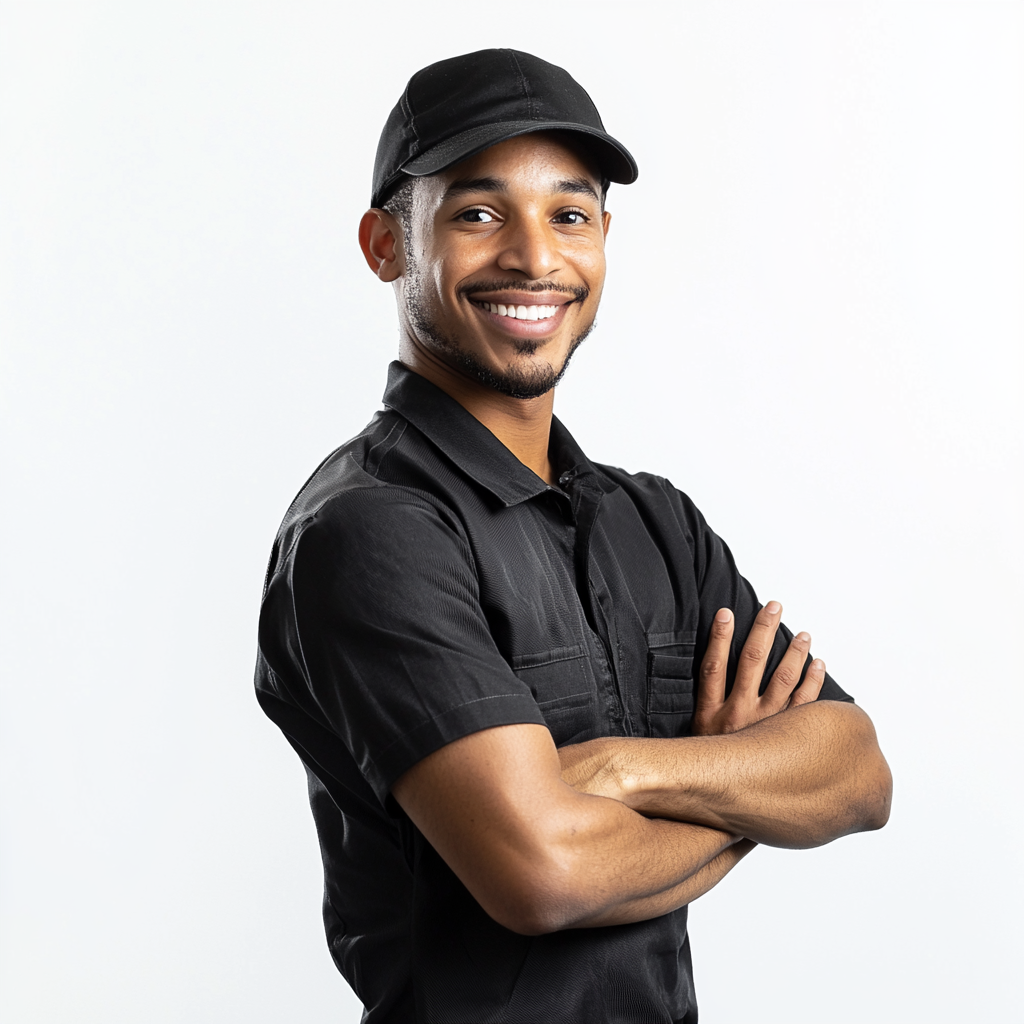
{"x": 797, "y": 779}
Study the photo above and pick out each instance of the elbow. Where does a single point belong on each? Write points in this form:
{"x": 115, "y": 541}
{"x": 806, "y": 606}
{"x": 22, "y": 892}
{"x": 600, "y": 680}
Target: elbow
{"x": 864, "y": 808}
{"x": 874, "y": 796}
{"x": 537, "y": 900}
{"x": 868, "y": 811}
{"x": 879, "y": 798}
{"x": 529, "y": 918}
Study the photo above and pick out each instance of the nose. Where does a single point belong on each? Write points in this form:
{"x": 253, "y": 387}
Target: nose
{"x": 530, "y": 248}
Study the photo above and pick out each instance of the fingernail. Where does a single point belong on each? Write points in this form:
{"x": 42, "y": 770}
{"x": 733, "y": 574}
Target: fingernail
{"x": 723, "y": 615}
{"x": 804, "y": 637}
{"x": 773, "y": 607}
{"x": 818, "y": 665}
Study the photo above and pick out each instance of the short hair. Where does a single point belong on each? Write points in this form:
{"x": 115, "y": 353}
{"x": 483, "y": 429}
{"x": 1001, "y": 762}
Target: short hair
{"x": 399, "y": 203}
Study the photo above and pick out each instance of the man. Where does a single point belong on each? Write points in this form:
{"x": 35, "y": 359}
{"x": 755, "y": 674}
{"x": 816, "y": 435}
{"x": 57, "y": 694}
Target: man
{"x": 481, "y": 644}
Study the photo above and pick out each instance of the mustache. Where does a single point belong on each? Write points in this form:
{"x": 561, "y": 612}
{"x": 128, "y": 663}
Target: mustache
{"x": 578, "y": 292}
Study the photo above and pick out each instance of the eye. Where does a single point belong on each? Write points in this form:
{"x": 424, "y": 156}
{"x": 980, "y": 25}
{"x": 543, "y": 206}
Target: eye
{"x": 475, "y": 217}
{"x": 572, "y": 217}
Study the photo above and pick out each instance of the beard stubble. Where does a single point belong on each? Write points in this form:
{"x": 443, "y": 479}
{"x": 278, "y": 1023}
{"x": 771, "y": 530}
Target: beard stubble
{"x": 516, "y": 380}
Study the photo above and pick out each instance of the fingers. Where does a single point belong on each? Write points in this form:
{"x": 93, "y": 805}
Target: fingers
{"x": 811, "y": 686}
{"x": 787, "y": 675}
{"x": 711, "y": 691}
{"x": 755, "y": 652}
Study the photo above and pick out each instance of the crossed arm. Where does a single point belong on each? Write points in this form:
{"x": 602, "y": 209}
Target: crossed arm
{"x": 618, "y": 830}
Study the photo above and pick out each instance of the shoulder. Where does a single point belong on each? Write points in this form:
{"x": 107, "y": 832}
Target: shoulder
{"x": 346, "y": 506}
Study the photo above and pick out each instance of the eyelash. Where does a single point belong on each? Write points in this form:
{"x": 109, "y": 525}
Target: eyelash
{"x": 574, "y": 213}
{"x": 562, "y": 213}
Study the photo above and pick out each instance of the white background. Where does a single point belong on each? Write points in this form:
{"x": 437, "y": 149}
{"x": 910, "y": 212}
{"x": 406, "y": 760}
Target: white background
{"x": 813, "y": 324}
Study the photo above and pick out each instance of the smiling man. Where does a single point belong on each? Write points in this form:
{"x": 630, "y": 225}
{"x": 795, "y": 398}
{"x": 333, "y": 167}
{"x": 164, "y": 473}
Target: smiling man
{"x": 482, "y": 645}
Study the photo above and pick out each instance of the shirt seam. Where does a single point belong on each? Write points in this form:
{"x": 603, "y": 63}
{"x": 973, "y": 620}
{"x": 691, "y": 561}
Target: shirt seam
{"x": 375, "y": 761}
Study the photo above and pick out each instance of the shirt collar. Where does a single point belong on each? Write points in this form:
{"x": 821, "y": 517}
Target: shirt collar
{"x": 472, "y": 447}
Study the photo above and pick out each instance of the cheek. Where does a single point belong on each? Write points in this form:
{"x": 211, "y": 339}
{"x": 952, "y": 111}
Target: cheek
{"x": 437, "y": 277}
{"x": 446, "y": 274}
{"x": 591, "y": 267}
{"x": 589, "y": 253}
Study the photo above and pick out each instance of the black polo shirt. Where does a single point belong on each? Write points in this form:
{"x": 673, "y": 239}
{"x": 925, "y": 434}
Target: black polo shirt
{"x": 425, "y": 585}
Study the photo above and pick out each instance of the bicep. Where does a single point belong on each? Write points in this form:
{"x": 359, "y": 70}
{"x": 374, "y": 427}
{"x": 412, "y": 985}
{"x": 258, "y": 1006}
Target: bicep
{"x": 536, "y": 854}
{"x": 488, "y": 803}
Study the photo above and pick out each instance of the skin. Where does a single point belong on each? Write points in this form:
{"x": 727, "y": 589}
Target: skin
{"x": 796, "y": 779}
{"x": 535, "y": 221}
{"x": 617, "y": 829}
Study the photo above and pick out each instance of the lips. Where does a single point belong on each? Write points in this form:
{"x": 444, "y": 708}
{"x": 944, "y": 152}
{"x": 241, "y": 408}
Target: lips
{"x": 535, "y": 321}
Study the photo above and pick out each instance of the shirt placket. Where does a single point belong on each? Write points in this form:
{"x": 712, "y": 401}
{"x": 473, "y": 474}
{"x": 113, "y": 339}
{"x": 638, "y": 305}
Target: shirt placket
{"x": 594, "y": 594}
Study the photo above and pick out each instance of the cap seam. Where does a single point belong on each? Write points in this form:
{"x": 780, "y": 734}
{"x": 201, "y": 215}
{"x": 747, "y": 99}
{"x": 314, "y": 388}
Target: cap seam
{"x": 524, "y": 85}
{"x": 411, "y": 114}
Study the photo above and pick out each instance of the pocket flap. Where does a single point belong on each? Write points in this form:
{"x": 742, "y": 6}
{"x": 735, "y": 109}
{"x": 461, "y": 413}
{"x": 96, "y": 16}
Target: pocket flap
{"x": 670, "y": 677}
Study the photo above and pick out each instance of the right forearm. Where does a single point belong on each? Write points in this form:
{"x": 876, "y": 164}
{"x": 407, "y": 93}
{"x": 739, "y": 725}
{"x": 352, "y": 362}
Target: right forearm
{"x": 537, "y": 854}
{"x": 690, "y": 889}
{"x": 618, "y": 866}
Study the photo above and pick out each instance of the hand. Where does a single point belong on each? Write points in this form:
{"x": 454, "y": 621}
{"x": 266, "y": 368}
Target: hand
{"x": 714, "y": 713}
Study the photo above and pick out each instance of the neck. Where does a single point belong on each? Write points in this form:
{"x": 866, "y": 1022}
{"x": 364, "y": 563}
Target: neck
{"x": 521, "y": 425}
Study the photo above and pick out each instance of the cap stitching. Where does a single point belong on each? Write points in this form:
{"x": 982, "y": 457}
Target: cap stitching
{"x": 523, "y": 84}
{"x": 407, "y": 109}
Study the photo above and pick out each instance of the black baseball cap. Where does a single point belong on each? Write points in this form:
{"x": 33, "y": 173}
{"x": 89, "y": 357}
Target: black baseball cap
{"x": 458, "y": 107}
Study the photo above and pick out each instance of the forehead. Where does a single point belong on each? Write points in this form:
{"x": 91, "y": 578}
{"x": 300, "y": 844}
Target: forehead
{"x": 535, "y": 161}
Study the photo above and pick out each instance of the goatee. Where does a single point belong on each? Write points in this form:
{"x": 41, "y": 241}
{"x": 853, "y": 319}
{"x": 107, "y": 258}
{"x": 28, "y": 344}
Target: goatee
{"x": 530, "y": 380}
{"x": 517, "y": 381}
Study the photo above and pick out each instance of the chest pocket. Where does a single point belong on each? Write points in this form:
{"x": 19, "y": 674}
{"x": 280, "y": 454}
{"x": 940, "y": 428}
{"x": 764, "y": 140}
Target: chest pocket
{"x": 670, "y": 686}
{"x": 562, "y": 683}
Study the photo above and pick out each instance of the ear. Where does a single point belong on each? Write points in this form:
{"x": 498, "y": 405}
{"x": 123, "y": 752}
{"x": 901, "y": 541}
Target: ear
{"x": 606, "y": 218}
{"x": 380, "y": 238}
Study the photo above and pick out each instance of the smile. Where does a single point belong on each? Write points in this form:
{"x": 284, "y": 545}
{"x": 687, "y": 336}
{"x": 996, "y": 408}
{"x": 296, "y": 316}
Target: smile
{"x": 518, "y": 312}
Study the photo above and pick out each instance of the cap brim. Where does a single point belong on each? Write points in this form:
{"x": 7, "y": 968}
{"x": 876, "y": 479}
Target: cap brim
{"x": 616, "y": 161}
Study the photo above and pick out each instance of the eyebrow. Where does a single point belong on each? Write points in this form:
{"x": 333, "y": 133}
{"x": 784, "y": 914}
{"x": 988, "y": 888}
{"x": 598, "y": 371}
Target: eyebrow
{"x": 464, "y": 186}
{"x": 578, "y": 186}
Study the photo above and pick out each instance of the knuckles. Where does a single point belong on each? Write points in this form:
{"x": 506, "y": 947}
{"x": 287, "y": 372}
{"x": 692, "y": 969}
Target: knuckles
{"x": 785, "y": 677}
{"x": 710, "y": 668}
{"x": 753, "y": 653}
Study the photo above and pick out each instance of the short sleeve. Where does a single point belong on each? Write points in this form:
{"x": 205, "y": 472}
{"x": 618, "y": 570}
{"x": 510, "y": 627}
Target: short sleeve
{"x": 394, "y": 646}
{"x": 721, "y": 586}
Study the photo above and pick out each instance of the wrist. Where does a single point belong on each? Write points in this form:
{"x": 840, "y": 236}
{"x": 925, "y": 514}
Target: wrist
{"x": 636, "y": 764}
{"x": 668, "y": 778}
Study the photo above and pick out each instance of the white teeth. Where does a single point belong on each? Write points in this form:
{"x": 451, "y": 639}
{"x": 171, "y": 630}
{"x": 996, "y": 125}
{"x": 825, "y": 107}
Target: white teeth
{"x": 521, "y": 312}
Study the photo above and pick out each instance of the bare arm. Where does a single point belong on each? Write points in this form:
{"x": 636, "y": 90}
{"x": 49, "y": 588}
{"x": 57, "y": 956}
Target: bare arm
{"x": 540, "y": 856}
{"x": 686, "y": 892}
{"x": 795, "y": 779}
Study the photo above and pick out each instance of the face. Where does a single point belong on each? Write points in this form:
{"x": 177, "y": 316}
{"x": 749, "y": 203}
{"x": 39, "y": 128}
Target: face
{"x": 504, "y": 264}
